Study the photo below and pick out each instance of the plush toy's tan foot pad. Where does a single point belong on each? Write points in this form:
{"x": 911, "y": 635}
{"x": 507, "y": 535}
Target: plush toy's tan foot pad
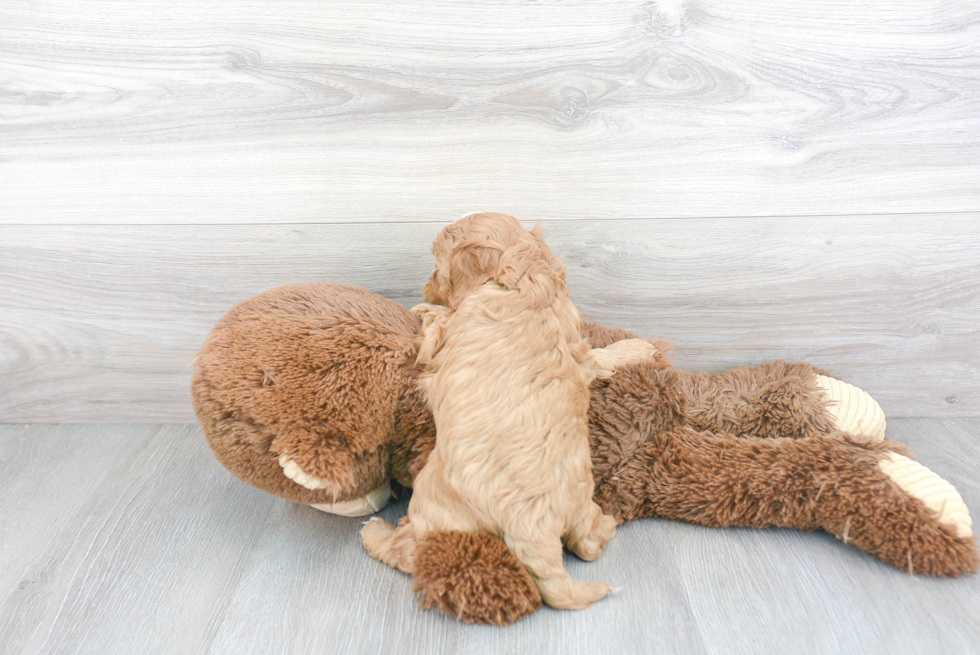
{"x": 853, "y": 410}
{"x": 373, "y": 502}
{"x": 937, "y": 494}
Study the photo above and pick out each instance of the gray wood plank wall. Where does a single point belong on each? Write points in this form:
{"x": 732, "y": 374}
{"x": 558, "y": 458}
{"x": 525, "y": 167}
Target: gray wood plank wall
{"x": 796, "y": 180}
{"x": 102, "y": 322}
{"x": 368, "y": 110}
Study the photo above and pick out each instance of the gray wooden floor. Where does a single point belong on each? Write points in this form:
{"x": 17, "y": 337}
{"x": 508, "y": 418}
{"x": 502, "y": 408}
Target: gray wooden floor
{"x": 132, "y": 539}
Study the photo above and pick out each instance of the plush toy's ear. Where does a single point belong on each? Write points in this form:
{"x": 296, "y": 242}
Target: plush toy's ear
{"x": 471, "y": 265}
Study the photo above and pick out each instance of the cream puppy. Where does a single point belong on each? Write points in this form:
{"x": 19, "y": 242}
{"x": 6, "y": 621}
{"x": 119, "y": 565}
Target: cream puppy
{"x": 507, "y": 379}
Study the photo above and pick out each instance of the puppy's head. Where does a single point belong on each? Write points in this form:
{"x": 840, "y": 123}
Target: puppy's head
{"x": 485, "y": 247}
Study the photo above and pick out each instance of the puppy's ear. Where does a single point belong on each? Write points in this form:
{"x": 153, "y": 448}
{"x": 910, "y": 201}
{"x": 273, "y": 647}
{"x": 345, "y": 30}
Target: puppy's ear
{"x": 471, "y": 265}
{"x": 530, "y": 269}
{"x": 514, "y": 265}
{"x": 555, "y": 262}
{"x": 538, "y": 233}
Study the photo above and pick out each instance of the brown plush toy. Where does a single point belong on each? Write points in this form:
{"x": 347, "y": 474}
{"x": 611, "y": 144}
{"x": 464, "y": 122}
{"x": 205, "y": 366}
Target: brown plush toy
{"x": 308, "y": 392}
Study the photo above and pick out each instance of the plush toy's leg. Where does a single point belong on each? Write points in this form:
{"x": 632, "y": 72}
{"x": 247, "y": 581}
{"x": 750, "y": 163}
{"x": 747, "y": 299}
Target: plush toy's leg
{"x": 374, "y": 501}
{"x": 935, "y": 493}
{"x": 471, "y": 576}
{"x": 779, "y": 399}
{"x": 866, "y": 494}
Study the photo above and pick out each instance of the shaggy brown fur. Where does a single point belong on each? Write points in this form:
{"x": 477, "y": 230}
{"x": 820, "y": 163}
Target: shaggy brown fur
{"x": 473, "y": 577}
{"x": 313, "y": 375}
{"x": 650, "y": 456}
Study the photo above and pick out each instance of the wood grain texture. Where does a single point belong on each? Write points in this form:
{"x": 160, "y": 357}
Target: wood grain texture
{"x": 243, "y": 111}
{"x": 100, "y": 323}
{"x": 146, "y": 545}
{"x": 110, "y": 542}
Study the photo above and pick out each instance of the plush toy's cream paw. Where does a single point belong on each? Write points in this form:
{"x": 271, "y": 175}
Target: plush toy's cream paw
{"x": 292, "y": 471}
{"x": 853, "y": 410}
{"x": 937, "y": 494}
{"x": 373, "y": 502}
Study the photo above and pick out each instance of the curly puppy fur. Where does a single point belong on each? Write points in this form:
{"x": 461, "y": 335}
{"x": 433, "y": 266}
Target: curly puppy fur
{"x": 507, "y": 379}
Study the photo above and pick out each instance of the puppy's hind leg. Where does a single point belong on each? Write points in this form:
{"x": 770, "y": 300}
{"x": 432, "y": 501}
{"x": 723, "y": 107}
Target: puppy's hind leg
{"x": 543, "y": 559}
{"x": 393, "y": 546}
{"x": 588, "y": 536}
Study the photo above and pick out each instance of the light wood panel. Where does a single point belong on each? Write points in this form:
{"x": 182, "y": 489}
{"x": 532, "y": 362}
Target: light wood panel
{"x": 100, "y": 323}
{"x": 242, "y": 111}
{"x": 125, "y": 539}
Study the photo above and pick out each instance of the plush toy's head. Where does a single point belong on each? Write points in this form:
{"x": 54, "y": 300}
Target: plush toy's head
{"x": 314, "y": 378}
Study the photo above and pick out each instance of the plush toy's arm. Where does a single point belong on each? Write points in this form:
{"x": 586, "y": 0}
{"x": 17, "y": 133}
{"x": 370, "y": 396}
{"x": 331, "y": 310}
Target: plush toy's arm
{"x": 779, "y": 399}
{"x": 867, "y": 494}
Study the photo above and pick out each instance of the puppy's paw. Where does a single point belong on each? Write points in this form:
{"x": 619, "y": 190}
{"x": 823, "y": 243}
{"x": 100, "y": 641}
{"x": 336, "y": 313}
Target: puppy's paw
{"x": 632, "y": 351}
{"x": 377, "y": 535}
{"x": 591, "y": 546}
{"x": 428, "y": 312}
{"x": 573, "y": 595}
{"x": 292, "y": 471}
{"x": 588, "y": 550}
{"x": 376, "y": 529}
{"x": 621, "y": 353}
